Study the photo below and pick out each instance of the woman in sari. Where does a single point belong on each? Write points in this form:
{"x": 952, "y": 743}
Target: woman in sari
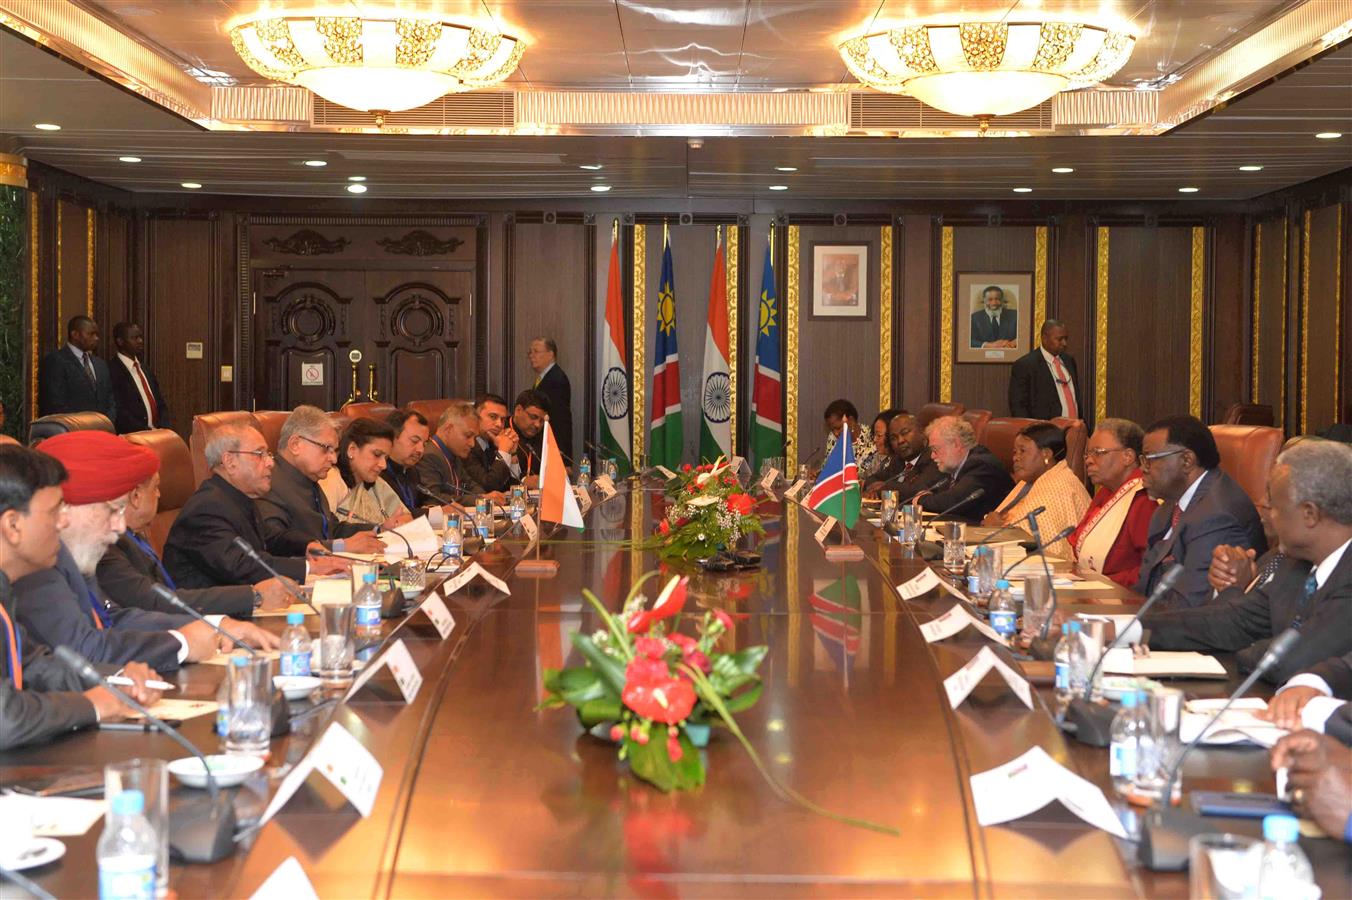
{"x": 362, "y": 454}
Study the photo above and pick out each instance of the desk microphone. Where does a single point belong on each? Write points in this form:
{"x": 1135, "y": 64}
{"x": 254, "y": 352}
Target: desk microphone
{"x": 248, "y": 550}
{"x": 1093, "y": 722}
{"x": 440, "y": 499}
{"x": 990, "y": 537}
{"x": 813, "y": 455}
{"x": 1165, "y": 831}
{"x": 1039, "y": 548}
{"x": 1041, "y": 647}
{"x": 200, "y": 830}
{"x": 396, "y": 533}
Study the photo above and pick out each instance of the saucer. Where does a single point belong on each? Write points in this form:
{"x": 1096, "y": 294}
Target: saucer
{"x": 41, "y": 851}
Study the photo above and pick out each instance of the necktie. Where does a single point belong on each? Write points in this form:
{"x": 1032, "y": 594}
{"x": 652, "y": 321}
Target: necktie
{"x": 14, "y": 648}
{"x": 89, "y": 370}
{"x": 537, "y": 382}
{"x": 154, "y": 557}
{"x": 405, "y": 492}
{"x": 150, "y": 398}
{"x": 1308, "y": 591}
{"x": 1066, "y": 395}
{"x": 319, "y": 508}
{"x": 1173, "y": 520}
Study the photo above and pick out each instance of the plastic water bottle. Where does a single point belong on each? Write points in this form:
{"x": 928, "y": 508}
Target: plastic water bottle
{"x": 1123, "y": 744}
{"x": 1061, "y": 667}
{"x": 1003, "y": 617}
{"x": 295, "y": 658}
{"x": 584, "y": 472}
{"x": 452, "y": 541}
{"x": 367, "y": 607}
{"x": 483, "y": 520}
{"x": 1079, "y": 661}
{"x": 1283, "y": 870}
{"x": 223, "y": 707}
{"x": 518, "y": 506}
{"x": 127, "y": 851}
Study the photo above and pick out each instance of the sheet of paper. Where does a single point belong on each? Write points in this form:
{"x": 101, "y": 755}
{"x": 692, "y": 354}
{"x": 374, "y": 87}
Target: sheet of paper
{"x": 435, "y": 609}
{"x": 400, "y": 663}
{"x": 54, "y": 816}
{"x": 287, "y": 882}
{"x": 1029, "y": 782}
{"x": 767, "y": 481}
{"x": 326, "y": 591}
{"x": 1236, "y": 726}
{"x": 667, "y": 473}
{"x": 925, "y": 582}
{"x": 954, "y": 620}
{"x": 962, "y": 682}
{"x": 302, "y": 608}
{"x": 468, "y": 574}
{"x": 420, "y": 537}
{"x": 1162, "y": 664}
{"x": 793, "y": 490}
{"x": 605, "y": 486}
{"x": 169, "y": 708}
{"x": 223, "y": 659}
{"x": 824, "y": 529}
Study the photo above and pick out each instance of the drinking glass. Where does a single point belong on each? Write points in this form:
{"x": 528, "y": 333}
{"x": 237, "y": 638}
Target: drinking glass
{"x": 151, "y": 778}
{"x": 1159, "y": 747}
{"x": 412, "y": 576}
{"x": 910, "y": 524}
{"x": 1222, "y": 866}
{"x": 955, "y": 547}
{"x": 249, "y": 722}
{"x": 888, "y": 511}
{"x": 986, "y": 568}
{"x": 335, "y": 643}
{"x": 1037, "y": 604}
{"x": 612, "y": 470}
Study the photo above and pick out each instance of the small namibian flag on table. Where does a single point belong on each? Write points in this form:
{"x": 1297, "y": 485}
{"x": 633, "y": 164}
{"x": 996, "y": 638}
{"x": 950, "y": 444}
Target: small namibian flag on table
{"x": 836, "y": 492}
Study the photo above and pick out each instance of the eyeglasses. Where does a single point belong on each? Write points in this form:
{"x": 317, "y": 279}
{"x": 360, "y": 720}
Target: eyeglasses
{"x": 327, "y": 448}
{"x": 1148, "y": 458}
{"x": 260, "y": 454}
{"x": 1098, "y": 452}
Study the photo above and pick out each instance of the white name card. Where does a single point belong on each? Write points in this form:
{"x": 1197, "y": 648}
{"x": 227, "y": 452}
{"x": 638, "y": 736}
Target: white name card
{"x": 468, "y": 574}
{"x": 401, "y": 665}
{"x": 767, "y": 481}
{"x": 287, "y": 882}
{"x": 606, "y": 487}
{"x": 962, "y": 682}
{"x": 340, "y": 758}
{"x": 1029, "y": 782}
{"x": 667, "y": 473}
{"x": 824, "y": 529}
{"x": 584, "y": 500}
{"x": 925, "y": 582}
{"x": 435, "y": 609}
{"x": 795, "y": 489}
{"x": 950, "y": 623}
{"x": 532, "y": 530}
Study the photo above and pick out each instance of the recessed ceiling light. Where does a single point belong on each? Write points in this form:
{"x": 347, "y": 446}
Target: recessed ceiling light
{"x": 1250, "y": 168}
{"x": 1023, "y": 190}
{"x": 786, "y": 168}
{"x": 356, "y": 188}
{"x": 46, "y": 126}
{"x": 191, "y": 185}
{"x": 316, "y": 163}
{"x": 1063, "y": 170}
{"x": 1323, "y": 135}
{"x": 129, "y": 159}
{"x": 1187, "y": 190}
{"x": 600, "y": 188}
{"x": 592, "y": 167}
{"x": 356, "y": 178}
{"x": 779, "y": 187}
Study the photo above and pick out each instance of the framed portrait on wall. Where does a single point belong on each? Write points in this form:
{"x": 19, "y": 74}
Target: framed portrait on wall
{"x": 994, "y": 312}
{"x": 839, "y": 280}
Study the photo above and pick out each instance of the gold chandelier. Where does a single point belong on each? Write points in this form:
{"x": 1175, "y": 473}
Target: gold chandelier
{"x": 372, "y": 63}
{"x": 986, "y": 69}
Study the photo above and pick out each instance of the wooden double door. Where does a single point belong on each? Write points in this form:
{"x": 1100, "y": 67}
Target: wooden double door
{"x": 327, "y": 336}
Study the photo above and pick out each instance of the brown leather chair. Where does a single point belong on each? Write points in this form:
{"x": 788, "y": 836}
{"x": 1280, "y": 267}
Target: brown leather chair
{"x": 1247, "y": 453}
{"x": 364, "y": 409}
{"x": 931, "y": 411}
{"x": 1248, "y": 414}
{"x": 59, "y": 423}
{"x": 978, "y": 418}
{"x": 202, "y": 428}
{"x": 1077, "y": 436}
{"x": 999, "y": 437}
{"x": 176, "y": 479}
{"x": 270, "y": 422}
{"x": 432, "y": 409}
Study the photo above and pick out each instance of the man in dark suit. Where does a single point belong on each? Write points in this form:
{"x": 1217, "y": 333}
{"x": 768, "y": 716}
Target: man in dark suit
{"x": 200, "y": 551}
{"x": 1202, "y": 508}
{"x": 968, "y": 467}
{"x": 911, "y": 469}
{"x": 492, "y": 461}
{"x": 140, "y": 403}
{"x": 528, "y": 421}
{"x": 72, "y": 379}
{"x": 994, "y": 325}
{"x": 551, "y": 381}
{"x": 411, "y": 435}
{"x": 443, "y": 469}
{"x": 1045, "y": 383}
{"x": 295, "y": 512}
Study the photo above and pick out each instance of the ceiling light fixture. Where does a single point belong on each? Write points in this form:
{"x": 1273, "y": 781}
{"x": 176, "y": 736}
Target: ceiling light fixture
{"x": 1023, "y": 190}
{"x": 46, "y": 126}
{"x": 1322, "y": 135}
{"x": 356, "y": 178}
{"x": 316, "y": 163}
{"x": 356, "y": 188}
{"x": 191, "y": 185}
{"x": 129, "y": 159}
{"x": 1063, "y": 170}
{"x": 1187, "y": 190}
{"x": 986, "y": 69}
{"x": 600, "y": 188}
{"x": 592, "y": 167}
{"x": 779, "y": 187}
{"x": 1250, "y": 168}
{"x": 373, "y": 63}
{"x": 786, "y": 168}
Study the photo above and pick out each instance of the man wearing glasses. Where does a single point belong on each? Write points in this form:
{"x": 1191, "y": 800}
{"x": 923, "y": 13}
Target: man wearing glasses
{"x": 200, "y": 551}
{"x": 1112, "y": 536}
{"x": 296, "y": 513}
{"x": 1201, "y": 508}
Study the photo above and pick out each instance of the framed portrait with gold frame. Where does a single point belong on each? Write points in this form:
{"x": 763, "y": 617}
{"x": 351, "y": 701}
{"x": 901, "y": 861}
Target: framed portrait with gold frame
{"x": 839, "y": 280}
{"x": 994, "y": 312}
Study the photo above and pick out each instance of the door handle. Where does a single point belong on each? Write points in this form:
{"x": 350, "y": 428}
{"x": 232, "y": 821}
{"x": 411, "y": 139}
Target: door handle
{"x": 371, "y": 383}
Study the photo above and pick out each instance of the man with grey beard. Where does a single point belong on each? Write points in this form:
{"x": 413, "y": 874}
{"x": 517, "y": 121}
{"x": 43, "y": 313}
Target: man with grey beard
{"x": 64, "y": 604}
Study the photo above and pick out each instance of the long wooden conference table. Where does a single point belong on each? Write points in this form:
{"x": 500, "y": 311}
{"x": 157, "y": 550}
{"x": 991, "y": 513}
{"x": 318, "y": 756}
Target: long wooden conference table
{"x": 483, "y": 795}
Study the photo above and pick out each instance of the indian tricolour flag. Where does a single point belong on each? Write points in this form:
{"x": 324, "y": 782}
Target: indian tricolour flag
{"x": 715, "y": 399}
{"x": 614, "y": 416}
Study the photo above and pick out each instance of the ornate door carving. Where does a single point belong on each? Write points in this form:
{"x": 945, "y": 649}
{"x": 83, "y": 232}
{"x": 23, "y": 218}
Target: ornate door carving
{"x": 423, "y": 335}
{"x": 305, "y": 322}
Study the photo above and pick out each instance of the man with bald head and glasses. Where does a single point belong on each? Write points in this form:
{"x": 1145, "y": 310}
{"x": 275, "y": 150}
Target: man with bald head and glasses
{"x": 200, "y": 551}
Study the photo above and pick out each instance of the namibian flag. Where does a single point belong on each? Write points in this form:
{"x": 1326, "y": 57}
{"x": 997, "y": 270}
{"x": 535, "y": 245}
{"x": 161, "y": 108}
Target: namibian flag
{"x": 767, "y": 397}
{"x": 667, "y": 439}
{"x": 836, "y": 492}
{"x": 837, "y": 617}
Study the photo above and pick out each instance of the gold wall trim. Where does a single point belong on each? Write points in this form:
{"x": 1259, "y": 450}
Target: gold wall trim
{"x": 1196, "y": 302}
{"x": 34, "y": 277}
{"x": 637, "y": 364}
{"x": 1101, "y": 326}
{"x": 89, "y": 262}
{"x": 1281, "y": 407}
{"x": 59, "y": 335}
{"x": 790, "y": 373}
{"x": 1304, "y": 318}
{"x": 1039, "y": 280}
{"x": 1338, "y": 349}
{"x": 946, "y": 314}
{"x": 731, "y": 267}
{"x": 1256, "y": 329}
{"x": 14, "y": 171}
{"x": 885, "y": 318}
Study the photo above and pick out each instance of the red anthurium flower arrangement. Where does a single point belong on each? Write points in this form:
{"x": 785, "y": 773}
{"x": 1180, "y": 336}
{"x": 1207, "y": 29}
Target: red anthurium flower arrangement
{"x": 706, "y": 511}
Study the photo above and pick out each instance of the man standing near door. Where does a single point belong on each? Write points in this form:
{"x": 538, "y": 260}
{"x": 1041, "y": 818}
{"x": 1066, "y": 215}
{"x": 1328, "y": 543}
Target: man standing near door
{"x": 1045, "y": 384}
{"x": 72, "y": 379}
{"x": 140, "y": 403}
{"x": 551, "y": 381}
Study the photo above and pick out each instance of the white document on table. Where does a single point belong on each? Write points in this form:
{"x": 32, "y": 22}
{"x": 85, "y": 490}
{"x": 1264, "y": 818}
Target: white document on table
{"x": 223, "y": 657}
{"x": 767, "y": 481}
{"x": 173, "y": 708}
{"x": 340, "y": 758}
{"x": 435, "y": 609}
{"x": 1162, "y": 664}
{"x": 420, "y": 537}
{"x": 961, "y": 683}
{"x": 53, "y": 816}
{"x": 925, "y": 582}
{"x": 401, "y": 665}
{"x": 1237, "y": 725}
{"x": 468, "y": 574}
{"x": 1029, "y": 782}
{"x": 287, "y": 882}
{"x": 954, "y": 620}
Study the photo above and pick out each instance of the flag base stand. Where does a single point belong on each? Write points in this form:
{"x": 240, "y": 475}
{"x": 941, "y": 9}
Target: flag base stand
{"x": 537, "y": 568}
{"x": 843, "y": 552}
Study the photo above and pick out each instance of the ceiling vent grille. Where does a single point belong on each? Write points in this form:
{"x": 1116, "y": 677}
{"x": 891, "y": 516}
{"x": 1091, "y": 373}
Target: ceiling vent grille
{"x": 896, "y": 112}
{"x": 474, "y": 110}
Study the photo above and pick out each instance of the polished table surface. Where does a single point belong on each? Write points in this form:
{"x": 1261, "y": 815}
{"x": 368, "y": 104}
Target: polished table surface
{"x": 484, "y": 795}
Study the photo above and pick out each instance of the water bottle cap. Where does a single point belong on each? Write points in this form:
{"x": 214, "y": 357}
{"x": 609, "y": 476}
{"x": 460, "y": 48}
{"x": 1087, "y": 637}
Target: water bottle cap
{"x": 239, "y": 660}
{"x": 295, "y": 618}
{"x": 1065, "y": 628}
{"x": 368, "y": 577}
{"x": 1283, "y": 828}
{"x": 1074, "y": 627}
{"x": 129, "y": 803}
{"x": 1002, "y": 585}
{"x": 1129, "y": 700}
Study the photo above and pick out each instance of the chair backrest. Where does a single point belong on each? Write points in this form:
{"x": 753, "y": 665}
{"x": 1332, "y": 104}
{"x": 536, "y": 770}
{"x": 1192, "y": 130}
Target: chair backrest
{"x": 931, "y": 411}
{"x": 1247, "y": 453}
{"x": 176, "y": 479}
{"x": 202, "y": 428}
{"x": 432, "y": 409}
{"x": 999, "y": 437}
{"x": 365, "y": 409}
{"x": 270, "y": 422}
{"x": 59, "y": 423}
{"x": 978, "y": 418}
{"x": 1248, "y": 414}
{"x": 1077, "y": 436}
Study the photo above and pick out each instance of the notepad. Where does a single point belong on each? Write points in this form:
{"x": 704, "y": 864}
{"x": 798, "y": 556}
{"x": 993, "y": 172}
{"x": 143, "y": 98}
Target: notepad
{"x": 1182, "y": 664}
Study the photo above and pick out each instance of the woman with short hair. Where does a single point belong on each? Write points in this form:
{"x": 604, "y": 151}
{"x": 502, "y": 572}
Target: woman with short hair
{"x": 1042, "y": 479}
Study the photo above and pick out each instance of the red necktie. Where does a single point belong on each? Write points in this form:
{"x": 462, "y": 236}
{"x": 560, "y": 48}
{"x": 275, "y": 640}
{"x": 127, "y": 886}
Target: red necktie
{"x": 1173, "y": 521}
{"x": 1064, "y": 382}
{"x": 150, "y": 397}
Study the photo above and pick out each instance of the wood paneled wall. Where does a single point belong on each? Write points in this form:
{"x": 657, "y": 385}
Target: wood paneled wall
{"x": 1323, "y": 308}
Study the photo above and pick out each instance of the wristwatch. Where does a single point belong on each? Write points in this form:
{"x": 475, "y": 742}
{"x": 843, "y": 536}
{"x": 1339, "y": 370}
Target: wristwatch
{"x": 257, "y": 598}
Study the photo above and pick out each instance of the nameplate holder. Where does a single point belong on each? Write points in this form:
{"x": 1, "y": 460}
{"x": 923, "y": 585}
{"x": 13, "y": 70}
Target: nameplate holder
{"x": 400, "y": 664}
{"x": 961, "y": 683}
{"x": 435, "y": 609}
{"x": 793, "y": 490}
{"x": 344, "y": 762}
{"x": 606, "y": 487}
{"x": 767, "y": 482}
